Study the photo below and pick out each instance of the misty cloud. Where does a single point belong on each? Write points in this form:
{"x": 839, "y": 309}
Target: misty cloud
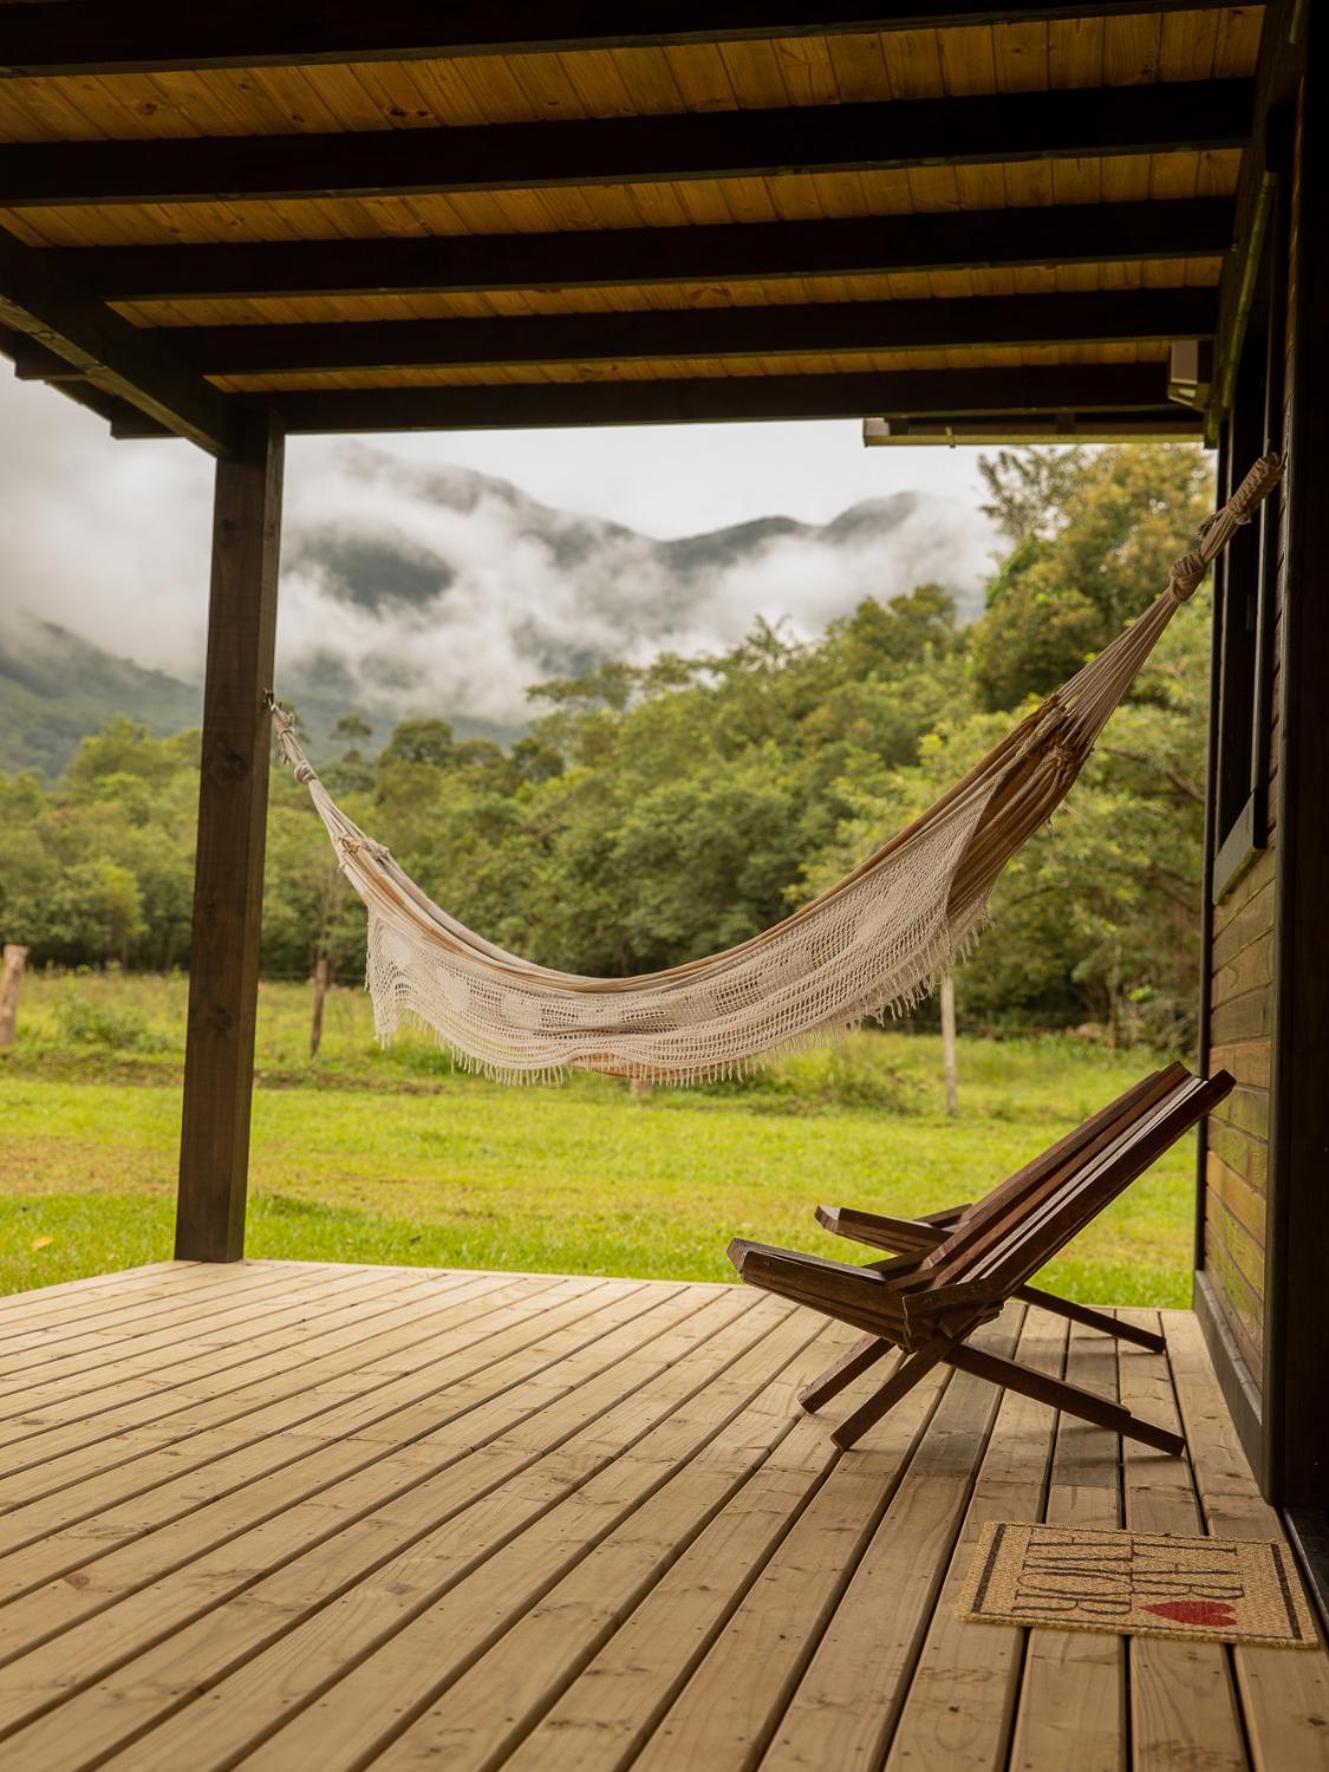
{"x": 412, "y": 587}
{"x": 452, "y": 592}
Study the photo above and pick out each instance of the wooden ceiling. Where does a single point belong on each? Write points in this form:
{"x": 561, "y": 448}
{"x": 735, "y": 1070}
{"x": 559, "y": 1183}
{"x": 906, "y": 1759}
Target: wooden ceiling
{"x": 401, "y": 215}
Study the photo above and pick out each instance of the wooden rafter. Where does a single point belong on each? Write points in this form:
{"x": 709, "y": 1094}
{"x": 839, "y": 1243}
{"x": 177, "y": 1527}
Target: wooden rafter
{"x": 104, "y": 37}
{"x": 40, "y": 302}
{"x": 813, "y": 327}
{"x": 1089, "y": 233}
{"x": 959, "y": 393}
{"x": 1101, "y": 122}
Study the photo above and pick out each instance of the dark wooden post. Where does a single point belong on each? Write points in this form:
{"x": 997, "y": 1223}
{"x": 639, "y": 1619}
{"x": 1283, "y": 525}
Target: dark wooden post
{"x": 321, "y": 971}
{"x": 228, "y": 879}
{"x": 1297, "y": 1256}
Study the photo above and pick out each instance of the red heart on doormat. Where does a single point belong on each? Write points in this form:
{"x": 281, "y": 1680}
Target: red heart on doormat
{"x": 1214, "y": 1613}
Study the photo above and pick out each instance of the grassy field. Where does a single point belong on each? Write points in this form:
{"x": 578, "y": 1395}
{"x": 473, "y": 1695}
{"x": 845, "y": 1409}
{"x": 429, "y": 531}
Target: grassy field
{"x": 393, "y": 1156}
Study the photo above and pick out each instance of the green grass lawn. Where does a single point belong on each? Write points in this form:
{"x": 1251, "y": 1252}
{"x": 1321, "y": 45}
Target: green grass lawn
{"x": 392, "y": 1156}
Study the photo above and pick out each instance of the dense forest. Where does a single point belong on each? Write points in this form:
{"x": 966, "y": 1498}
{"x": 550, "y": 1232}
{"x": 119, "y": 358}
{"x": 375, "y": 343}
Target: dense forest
{"x": 652, "y": 814}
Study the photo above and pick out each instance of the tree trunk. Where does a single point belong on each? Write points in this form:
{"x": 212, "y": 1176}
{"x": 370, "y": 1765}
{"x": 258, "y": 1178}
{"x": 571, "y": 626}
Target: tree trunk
{"x": 15, "y": 958}
{"x": 948, "y": 1043}
{"x": 321, "y": 970}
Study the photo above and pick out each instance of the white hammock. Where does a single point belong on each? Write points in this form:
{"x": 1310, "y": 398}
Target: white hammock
{"x": 868, "y": 946}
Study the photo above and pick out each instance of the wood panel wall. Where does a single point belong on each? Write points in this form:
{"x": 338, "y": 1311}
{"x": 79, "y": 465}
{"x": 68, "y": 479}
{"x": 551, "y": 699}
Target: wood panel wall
{"x": 1246, "y": 985}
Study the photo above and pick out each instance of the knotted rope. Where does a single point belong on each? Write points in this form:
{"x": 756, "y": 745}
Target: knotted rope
{"x": 1217, "y": 531}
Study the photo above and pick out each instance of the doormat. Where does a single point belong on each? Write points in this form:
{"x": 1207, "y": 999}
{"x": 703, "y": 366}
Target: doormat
{"x": 1148, "y": 1584}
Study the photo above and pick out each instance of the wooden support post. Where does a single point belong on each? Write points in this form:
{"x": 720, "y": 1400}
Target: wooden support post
{"x": 228, "y": 881}
{"x": 948, "y": 1067}
{"x": 15, "y": 958}
{"x": 320, "y": 993}
{"x": 1296, "y": 1376}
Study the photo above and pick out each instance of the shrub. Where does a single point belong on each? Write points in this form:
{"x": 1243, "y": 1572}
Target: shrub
{"x": 116, "y": 1027}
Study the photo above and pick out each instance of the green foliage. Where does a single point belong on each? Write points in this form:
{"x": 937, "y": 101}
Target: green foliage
{"x": 114, "y": 1026}
{"x": 1094, "y": 537}
{"x": 655, "y": 813}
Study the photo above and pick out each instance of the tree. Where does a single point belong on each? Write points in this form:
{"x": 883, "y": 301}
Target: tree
{"x": 419, "y": 741}
{"x": 1084, "y": 566}
{"x": 352, "y": 730}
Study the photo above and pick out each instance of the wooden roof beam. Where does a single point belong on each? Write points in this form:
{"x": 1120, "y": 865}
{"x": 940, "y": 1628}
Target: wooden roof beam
{"x": 813, "y": 327}
{"x": 109, "y": 355}
{"x": 1093, "y": 124}
{"x": 105, "y": 37}
{"x": 962, "y": 393}
{"x": 1087, "y": 233}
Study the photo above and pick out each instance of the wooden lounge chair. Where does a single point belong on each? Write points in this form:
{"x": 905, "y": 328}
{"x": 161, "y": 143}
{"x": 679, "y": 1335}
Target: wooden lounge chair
{"x": 955, "y": 1269}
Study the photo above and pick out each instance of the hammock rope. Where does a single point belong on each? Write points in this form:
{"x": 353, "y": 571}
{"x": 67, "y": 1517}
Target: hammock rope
{"x": 867, "y": 947}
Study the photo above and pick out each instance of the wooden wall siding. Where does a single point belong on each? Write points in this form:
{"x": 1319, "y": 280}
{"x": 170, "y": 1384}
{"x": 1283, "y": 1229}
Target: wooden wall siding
{"x": 1237, "y": 1140}
{"x": 957, "y": 62}
{"x": 1241, "y": 988}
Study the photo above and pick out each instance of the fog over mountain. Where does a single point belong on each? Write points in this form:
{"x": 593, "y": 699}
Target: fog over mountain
{"x": 411, "y": 589}
{"x": 447, "y": 590}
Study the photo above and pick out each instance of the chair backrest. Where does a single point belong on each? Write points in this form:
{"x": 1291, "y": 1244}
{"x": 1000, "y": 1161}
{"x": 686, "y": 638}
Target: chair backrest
{"x": 1026, "y": 1220}
{"x": 986, "y": 1218}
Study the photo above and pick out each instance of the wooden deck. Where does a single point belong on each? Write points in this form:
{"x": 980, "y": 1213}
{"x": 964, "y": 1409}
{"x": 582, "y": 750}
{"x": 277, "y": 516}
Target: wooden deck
{"x": 294, "y": 1516}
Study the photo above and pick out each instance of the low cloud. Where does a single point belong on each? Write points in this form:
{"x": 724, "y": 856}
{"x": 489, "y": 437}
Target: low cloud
{"x": 445, "y": 591}
{"x": 413, "y": 588}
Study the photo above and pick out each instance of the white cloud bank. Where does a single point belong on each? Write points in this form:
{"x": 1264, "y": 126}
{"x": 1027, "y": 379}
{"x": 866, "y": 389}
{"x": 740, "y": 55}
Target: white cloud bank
{"x": 427, "y": 590}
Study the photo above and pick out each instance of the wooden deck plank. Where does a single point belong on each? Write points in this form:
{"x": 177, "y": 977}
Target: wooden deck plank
{"x": 811, "y": 1695}
{"x": 492, "y": 1707}
{"x": 935, "y": 1733}
{"x": 366, "y": 1709}
{"x": 227, "y": 1537}
{"x": 100, "y": 1391}
{"x": 43, "y": 1374}
{"x": 68, "y": 1297}
{"x": 575, "y": 1525}
{"x": 1072, "y": 1706}
{"x": 61, "y": 1315}
{"x": 1183, "y": 1706}
{"x": 1284, "y": 1696}
{"x": 375, "y": 1538}
{"x": 602, "y": 1719}
{"x": 501, "y": 1347}
{"x": 233, "y": 1389}
{"x": 159, "y": 1313}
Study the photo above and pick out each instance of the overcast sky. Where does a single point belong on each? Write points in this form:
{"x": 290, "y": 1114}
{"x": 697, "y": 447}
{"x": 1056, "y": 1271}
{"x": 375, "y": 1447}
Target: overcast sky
{"x": 111, "y": 539}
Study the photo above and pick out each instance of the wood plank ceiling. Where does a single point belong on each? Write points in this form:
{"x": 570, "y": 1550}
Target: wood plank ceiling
{"x": 565, "y": 213}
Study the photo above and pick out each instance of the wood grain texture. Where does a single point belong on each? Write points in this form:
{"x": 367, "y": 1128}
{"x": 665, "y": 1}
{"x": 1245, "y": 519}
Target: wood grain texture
{"x": 232, "y": 824}
{"x": 580, "y": 1525}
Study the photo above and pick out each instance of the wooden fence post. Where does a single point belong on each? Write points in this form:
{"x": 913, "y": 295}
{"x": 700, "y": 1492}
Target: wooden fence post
{"x": 15, "y": 959}
{"x": 948, "y": 1065}
{"x": 321, "y": 970}
{"x": 228, "y": 876}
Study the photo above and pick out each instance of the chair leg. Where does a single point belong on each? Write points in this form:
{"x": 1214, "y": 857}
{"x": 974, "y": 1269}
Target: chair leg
{"x": 1060, "y": 1395}
{"x": 1081, "y": 1313}
{"x": 860, "y": 1357}
{"x": 905, "y": 1376}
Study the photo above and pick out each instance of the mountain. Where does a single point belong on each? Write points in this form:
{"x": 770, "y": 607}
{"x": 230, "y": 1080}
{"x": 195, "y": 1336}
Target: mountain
{"x": 56, "y": 689}
{"x": 413, "y": 590}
